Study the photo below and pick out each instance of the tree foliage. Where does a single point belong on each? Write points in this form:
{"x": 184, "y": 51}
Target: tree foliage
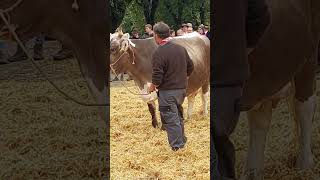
{"x": 117, "y": 12}
{"x": 137, "y": 13}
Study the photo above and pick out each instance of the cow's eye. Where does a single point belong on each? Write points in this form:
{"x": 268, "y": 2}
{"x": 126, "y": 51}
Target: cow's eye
{"x": 113, "y": 49}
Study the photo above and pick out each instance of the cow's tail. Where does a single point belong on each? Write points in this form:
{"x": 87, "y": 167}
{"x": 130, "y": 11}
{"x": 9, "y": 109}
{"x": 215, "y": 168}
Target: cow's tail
{"x": 292, "y": 111}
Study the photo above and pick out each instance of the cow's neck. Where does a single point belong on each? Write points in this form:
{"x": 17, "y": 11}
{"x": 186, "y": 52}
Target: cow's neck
{"x": 141, "y": 71}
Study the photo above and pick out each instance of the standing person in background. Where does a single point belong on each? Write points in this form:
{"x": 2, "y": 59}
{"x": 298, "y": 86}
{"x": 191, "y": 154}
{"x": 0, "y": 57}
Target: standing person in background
{"x": 180, "y": 32}
{"x": 190, "y": 28}
{"x": 172, "y": 33}
{"x": 37, "y": 51}
{"x": 171, "y": 67}
{"x": 207, "y": 32}
{"x": 184, "y": 28}
{"x": 239, "y": 25}
{"x": 148, "y": 31}
{"x": 201, "y": 29}
{"x": 19, "y": 55}
{"x": 63, "y": 53}
{"x": 135, "y": 34}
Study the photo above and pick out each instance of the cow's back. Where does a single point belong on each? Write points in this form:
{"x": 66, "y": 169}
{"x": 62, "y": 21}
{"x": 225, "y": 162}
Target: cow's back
{"x": 198, "y": 49}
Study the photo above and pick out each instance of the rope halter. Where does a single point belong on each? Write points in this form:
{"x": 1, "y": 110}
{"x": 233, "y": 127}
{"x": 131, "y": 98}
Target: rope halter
{"x": 125, "y": 44}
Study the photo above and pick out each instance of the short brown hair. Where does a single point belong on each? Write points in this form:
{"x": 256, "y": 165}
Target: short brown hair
{"x": 148, "y": 26}
{"x": 162, "y": 30}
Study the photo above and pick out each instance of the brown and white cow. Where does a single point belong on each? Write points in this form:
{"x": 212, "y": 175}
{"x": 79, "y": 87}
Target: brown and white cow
{"x": 134, "y": 56}
{"x": 283, "y": 65}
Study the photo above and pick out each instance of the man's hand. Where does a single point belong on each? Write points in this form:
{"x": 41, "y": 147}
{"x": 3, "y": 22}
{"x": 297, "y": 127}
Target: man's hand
{"x": 151, "y": 88}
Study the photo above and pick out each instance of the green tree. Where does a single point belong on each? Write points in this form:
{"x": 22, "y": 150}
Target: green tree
{"x": 149, "y": 9}
{"x": 117, "y": 12}
{"x": 173, "y": 12}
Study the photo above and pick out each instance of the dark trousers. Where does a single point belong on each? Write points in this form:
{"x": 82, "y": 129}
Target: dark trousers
{"x": 225, "y": 118}
{"x": 170, "y": 107}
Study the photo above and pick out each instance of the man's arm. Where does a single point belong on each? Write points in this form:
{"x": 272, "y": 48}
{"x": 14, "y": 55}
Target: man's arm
{"x": 190, "y": 65}
{"x": 258, "y": 19}
{"x": 157, "y": 69}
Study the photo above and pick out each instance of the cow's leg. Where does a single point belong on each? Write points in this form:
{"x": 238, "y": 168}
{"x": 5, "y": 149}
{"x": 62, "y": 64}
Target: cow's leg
{"x": 259, "y": 123}
{"x": 304, "y": 112}
{"x": 152, "y": 110}
{"x": 204, "y": 98}
{"x": 305, "y": 102}
{"x": 191, "y": 100}
{"x": 100, "y": 96}
{"x": 91, "y": 55}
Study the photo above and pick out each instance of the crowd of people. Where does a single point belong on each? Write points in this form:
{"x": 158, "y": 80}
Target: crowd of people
{"x": 184, "y": 29}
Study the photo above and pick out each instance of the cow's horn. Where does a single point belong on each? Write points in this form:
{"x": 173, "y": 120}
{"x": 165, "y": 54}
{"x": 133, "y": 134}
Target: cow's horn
{"x": 119, "y": 30}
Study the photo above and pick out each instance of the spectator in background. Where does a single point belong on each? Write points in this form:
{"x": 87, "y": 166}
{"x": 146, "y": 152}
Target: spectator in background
{"x": 37, "y": 51}
{"x": 135, "y": 34}
{"x": 172, "y": 33}
{"x": 63, "y": 53}
{"x": 201, "y": 29}
{"x": 148, "y": 31}
{"x": 207, "y": 32}
{"x": 19, "y": 55}
{"x": 180, "y": 32}
{"x": 184, "y": 28}
{"x": 189, "y": 28}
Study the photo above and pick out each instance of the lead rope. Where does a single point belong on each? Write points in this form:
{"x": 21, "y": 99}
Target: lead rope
{"x": 12, "y": 31}
{"x": 121, "y": 82}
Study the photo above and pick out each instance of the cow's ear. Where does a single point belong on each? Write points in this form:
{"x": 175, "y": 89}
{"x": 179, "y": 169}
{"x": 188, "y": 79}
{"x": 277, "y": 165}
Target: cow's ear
{"x": 126, "y": 36}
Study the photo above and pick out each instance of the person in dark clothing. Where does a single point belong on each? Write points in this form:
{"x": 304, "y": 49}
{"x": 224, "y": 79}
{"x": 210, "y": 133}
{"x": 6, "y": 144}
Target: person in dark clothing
{"x": 239, "y": 26}
{"x": 207, "y": 32}
{"x": 19, "y": 55}
{"x": 135, "y": 34}
{"x": 171, "y": 67}
{"x": 37, "y": 51}
{"x": 63, "y": 53}
{"x": 2, "y": 54}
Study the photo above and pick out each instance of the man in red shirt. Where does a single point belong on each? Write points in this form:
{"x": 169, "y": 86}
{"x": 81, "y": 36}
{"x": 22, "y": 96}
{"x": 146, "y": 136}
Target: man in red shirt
{"x": 171, "y": 66}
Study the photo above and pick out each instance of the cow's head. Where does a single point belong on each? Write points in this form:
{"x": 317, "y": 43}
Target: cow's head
{"x": 121, "y": 52}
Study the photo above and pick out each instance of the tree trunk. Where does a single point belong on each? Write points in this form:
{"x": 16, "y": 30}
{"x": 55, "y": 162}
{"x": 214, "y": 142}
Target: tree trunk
{"x": 202, "y": 11}
{"x": 176, "y": 13}
{"x": 149, "y": 9}
{"x": 117, "y": 12}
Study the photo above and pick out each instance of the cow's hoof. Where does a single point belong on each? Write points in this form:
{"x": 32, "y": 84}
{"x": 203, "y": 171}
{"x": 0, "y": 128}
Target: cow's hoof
{"x": 154, "y": 124}
{"x": 305, "y": 162}
{"x": 203, "y": 113}
{"x": 163, "y": 128}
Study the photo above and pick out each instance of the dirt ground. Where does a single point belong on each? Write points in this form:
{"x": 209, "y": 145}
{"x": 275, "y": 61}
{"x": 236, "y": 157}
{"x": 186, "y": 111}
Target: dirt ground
{"x": 43, "y": 135}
